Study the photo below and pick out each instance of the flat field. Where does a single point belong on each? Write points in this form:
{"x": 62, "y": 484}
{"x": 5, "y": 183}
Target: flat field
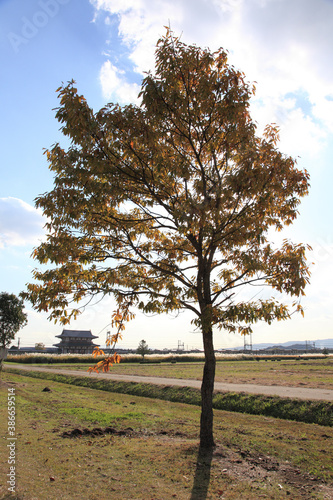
{"x": 79, "y": 443}
{"x": 302, "y": 372}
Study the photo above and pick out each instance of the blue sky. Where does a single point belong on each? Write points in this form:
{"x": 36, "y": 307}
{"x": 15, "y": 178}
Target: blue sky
{"x": 105, "y": 46}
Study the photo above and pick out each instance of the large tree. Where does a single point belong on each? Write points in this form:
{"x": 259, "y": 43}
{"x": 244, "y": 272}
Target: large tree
{"x": 12, "y": 317}
{"x": 168, "y": 205}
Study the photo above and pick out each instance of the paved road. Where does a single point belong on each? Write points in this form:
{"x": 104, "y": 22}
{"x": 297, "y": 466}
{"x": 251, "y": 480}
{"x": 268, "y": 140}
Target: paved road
{"x": 268, "y": 390}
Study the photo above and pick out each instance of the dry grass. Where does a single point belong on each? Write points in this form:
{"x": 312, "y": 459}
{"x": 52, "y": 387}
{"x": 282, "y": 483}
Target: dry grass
{"x": 304, "y": 372}
{"x": 158, "y": 459}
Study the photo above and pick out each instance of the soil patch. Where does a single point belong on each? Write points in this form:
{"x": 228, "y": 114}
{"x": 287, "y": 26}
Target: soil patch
{"x": 240, "y": 465}
{"x": 96, "y": 431}
{"x": 237, "y": 464}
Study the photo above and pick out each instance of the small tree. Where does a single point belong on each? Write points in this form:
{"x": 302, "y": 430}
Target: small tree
{"x": 12, "y": 318}
{"x": 142, "y": 348}
{"x": 39, "y": 346}
{"x": 169, "y": 206}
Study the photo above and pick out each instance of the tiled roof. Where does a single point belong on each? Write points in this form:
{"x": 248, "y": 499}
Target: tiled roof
{"x": 77, "y": 333}
{"x": 75, "y": 343}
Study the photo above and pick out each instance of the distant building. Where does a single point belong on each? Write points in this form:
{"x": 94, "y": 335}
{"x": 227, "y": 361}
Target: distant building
{"x": 14, "y": 349}
{"x": 76, "y": 342}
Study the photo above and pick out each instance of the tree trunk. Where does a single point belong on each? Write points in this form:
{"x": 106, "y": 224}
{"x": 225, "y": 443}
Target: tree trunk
{"x": 207, "y": 388}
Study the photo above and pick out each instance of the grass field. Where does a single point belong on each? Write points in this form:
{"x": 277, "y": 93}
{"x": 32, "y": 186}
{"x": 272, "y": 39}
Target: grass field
{"x": 308, "y": 411}
{"x": 303, "y": 372}
{"x": 156, "y": 455}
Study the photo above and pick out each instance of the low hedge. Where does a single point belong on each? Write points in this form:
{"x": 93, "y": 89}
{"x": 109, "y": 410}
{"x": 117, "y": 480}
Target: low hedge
{"x": 308, "y": 411}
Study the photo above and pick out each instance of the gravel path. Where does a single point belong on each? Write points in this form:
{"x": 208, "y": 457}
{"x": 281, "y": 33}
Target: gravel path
{"x": 275, "y": 390}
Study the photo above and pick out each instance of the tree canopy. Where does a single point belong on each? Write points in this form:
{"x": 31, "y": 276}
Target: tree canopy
{"x": 40, "y": 346}
{"x": 168, "y": 205}
{"x": 12, "y": 317}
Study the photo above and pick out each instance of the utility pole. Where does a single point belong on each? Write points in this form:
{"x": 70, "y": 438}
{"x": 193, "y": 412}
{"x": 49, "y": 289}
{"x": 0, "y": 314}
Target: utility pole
{"x": 246, "y": 344}
{"x": 107, "y": 341}
{"x": 180, "y": 345}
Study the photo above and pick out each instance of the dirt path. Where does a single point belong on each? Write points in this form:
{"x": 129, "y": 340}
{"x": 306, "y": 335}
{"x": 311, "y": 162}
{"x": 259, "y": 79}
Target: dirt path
{"x": 282, "y": 391}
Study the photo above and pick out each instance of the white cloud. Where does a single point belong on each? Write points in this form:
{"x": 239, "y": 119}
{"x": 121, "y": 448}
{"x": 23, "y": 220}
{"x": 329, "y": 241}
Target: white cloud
{"x": 300, "y": 135}
{"x": 114, "y": 85}
{"x": 323, "y": 110}
{"x": 20, "y": 223}
{"x": 284, "y": 46}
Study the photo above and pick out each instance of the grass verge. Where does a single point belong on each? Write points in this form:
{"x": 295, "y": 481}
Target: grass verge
{"x": 312, "y": 412}
{"x": 158, "y": 458}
